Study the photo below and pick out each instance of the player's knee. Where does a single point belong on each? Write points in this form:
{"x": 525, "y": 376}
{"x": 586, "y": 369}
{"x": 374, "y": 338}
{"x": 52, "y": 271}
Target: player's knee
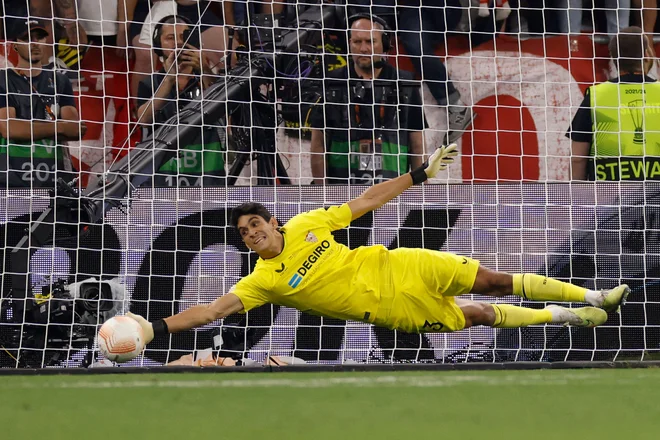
{"x": 487, "y": 315}
{"x": 478, "y": 313}
{"x": 492, "y": 283}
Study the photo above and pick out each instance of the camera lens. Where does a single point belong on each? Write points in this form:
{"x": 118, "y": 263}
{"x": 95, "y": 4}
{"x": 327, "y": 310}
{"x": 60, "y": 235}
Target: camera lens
{"x": 96, "y": 296}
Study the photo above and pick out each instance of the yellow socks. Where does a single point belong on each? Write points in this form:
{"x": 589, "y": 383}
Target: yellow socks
{"x": 508, "y": 316}
{"x": 539, "y": 288}
{"x": 536, "y": 288}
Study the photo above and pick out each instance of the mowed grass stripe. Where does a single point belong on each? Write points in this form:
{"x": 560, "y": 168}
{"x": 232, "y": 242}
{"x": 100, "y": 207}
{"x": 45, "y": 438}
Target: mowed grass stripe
{"x": 329, "y": 380}
{"x": 493, "y": 405}
{"x": 308, "y": 380}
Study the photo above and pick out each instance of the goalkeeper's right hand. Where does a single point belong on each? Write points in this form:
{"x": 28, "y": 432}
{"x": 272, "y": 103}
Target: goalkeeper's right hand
{"x": 147, "y": 327}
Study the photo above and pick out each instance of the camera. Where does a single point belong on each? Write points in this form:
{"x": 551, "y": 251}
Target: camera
{"x": 233, "y": 341}
{"x": 62, "y": 319}
{"x": 86, "y": 302}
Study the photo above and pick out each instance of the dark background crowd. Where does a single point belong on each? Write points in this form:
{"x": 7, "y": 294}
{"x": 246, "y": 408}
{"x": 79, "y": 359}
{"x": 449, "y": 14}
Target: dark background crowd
{"x": 364, "y": 120}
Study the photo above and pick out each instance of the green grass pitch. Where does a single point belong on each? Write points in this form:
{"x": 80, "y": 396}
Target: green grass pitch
{"x": 508, "y": 405}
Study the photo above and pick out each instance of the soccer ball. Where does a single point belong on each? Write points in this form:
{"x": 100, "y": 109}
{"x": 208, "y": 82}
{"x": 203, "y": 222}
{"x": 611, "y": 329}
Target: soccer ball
{"x": 121, "y": 339}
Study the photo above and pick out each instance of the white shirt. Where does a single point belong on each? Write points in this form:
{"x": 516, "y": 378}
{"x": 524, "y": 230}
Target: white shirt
{"x": 98, "y": 17}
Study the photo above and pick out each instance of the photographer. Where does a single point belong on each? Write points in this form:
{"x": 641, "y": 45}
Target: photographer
{"x": 184, "y": 77}
{"x": 370, "y": 127}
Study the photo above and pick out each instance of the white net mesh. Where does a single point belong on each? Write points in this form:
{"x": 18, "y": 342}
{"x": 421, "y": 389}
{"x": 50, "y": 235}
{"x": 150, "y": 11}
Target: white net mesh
{"x": 266, "y": 108}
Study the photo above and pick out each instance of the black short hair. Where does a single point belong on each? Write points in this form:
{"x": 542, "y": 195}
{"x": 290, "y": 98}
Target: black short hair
{"x": 248, "y": 209}
{"x": 628, "y": 49}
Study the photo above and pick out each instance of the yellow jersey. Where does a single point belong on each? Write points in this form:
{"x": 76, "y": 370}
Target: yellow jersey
{"x": 316, "y": 274}
{"x": 406, "y": 289}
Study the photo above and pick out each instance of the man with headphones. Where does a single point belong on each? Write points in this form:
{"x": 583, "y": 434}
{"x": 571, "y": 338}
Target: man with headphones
{"x": 38, "y": 114}
{"x": 184, "y": 76}
{"x": 369, "y": 128}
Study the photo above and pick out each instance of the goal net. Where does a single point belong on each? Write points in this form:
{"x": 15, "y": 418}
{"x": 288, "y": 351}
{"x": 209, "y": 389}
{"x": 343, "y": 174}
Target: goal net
{"x": 172, "y": 141}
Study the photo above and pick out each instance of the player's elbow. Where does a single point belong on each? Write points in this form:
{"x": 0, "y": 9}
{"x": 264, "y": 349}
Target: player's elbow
{"x": 363, "y": 204}
{"x": 211, "y": 314}
{"x": 216, "y": 311}
{"x": 222, "y": 307}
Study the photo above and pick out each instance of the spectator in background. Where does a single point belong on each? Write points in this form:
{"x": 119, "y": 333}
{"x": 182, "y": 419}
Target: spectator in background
{"x": 104, "y": 93}
{"x": 37, "y": 114}
{"x": 186, "y": 73}
{"x": 502, "y": 8}
{"x": 371, "y": 123}
{"x": 420, "y": 31}
{"x": 616, "y": 131}
{"x": 100, "y": 20}
{"x": 213, "y": 41}
{"x": 59, "y": 18}
{"x": 131, "y": 15}
{"x": 617, "y": 13}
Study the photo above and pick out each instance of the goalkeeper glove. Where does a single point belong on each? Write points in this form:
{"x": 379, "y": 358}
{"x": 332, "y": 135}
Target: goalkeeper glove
{"x": 147, "y": 327}
{"x": 438, "y": 161}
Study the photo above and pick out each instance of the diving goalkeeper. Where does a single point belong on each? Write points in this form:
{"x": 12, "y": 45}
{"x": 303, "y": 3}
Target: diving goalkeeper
{"x": 413, "y": 290}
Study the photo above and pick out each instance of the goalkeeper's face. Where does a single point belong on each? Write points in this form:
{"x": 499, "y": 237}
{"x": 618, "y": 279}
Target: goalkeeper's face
{"x": 261, "y": 236}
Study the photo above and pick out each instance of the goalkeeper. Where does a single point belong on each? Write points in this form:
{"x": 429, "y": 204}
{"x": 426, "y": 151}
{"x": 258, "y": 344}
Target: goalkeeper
{"x": 413, "y": 290}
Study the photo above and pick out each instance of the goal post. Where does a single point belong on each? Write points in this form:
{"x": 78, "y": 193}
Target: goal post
{"x": 170, "y": 251}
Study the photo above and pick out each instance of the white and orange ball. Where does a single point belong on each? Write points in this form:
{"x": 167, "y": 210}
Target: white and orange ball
{"x": 121, "y": 339}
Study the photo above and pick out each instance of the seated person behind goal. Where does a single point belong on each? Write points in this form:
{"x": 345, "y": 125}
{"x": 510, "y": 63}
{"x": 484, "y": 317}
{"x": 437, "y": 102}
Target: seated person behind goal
{"x": 184, "y": 77}
{"x": 37, "y": 113}
{"x": 413, "y": 290}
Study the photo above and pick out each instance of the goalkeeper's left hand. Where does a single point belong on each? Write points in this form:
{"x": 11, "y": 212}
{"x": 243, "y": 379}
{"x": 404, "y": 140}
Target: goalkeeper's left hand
{"x": 438, "y": 161}
{"x": 441, "y": 159}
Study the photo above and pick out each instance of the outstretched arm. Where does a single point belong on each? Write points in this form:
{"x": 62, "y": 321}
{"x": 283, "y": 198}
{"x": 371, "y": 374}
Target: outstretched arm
{"x": 193, "y": 317}
{"x": 379, "y": 194}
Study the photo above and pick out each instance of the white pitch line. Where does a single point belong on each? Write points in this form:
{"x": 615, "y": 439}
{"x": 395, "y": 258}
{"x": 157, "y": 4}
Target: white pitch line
{"x": 329, "y": 382}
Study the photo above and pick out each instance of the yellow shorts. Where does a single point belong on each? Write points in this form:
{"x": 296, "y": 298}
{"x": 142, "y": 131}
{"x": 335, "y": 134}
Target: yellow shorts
{"x": 424, "y": 284}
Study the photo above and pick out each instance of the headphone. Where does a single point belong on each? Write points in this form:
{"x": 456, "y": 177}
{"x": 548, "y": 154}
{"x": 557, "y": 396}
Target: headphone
{"x": 170, "y": 19}
{"x": 387, "y": 43}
